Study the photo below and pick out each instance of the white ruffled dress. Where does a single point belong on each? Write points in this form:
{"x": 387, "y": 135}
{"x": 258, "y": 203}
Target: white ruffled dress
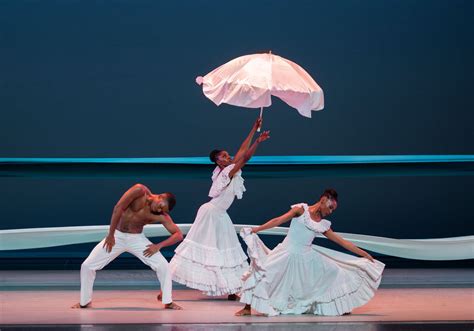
{"x": 297, "y": 277}
{"x": 210, "y": 258}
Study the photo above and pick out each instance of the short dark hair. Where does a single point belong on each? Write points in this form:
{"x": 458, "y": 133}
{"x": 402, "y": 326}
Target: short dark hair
{"x": 171, "y": 200}
{"x": 330, "y": 194}
{"x": 213, "y": 155}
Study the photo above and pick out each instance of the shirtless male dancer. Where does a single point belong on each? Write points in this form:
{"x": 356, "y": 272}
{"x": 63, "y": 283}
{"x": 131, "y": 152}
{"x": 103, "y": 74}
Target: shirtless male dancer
{"x": 135, "y": 209}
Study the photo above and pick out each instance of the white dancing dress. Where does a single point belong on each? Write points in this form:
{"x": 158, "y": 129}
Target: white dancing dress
{"x": 297, "y": 277}
{"x": 211, "y": 258}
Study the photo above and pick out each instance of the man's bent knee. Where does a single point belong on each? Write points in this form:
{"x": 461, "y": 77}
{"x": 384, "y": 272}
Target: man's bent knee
{"x": 85, "y": 266}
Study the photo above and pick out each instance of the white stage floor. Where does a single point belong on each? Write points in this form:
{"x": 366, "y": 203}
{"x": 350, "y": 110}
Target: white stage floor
{"x": 129, "y": 297}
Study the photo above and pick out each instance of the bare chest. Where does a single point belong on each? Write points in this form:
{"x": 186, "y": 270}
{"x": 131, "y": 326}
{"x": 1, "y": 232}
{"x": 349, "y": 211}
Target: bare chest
{"x": 133, "y": 221}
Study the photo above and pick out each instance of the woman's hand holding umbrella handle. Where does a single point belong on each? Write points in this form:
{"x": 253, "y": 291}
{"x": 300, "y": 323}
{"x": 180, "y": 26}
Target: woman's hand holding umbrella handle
{"x": 258, "y": 124}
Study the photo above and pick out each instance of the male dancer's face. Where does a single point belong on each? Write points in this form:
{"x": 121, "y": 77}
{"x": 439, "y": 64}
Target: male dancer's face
{"x": 158, "y": 203}
{"x": 223, "y": 159}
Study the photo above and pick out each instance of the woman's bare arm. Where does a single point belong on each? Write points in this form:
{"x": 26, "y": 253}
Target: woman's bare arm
{"x": 239, "y": 164}
{"x": 246, "y": 143}
{"x": 331, "y": 235}
{"x": 274, "y": 222}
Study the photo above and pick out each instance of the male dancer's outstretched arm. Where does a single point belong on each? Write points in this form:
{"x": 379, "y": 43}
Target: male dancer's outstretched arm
{"x": 176, "y": 236}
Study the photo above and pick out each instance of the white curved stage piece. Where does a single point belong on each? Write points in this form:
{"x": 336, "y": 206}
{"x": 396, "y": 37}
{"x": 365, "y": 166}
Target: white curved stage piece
{"x": 456, "y": 248}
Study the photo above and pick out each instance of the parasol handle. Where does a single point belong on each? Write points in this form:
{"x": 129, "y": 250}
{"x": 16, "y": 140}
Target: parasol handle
{"x": 261, "y": 116}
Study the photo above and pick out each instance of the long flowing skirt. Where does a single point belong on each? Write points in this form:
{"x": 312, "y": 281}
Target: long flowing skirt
{"x": 317, "y": 280}
{"x": 210, "y": 258}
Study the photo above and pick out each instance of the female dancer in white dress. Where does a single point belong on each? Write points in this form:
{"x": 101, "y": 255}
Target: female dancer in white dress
{"x": 211, "y": 258}
{"x": 297, "y": 277}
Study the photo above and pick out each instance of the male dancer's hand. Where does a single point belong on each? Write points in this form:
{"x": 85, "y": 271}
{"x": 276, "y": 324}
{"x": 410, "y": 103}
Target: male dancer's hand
{"x": 152, "y": 249}
{"x": 109, "y": 243}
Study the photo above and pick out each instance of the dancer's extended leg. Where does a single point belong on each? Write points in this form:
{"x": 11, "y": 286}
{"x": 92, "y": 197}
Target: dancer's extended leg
{"x": 96, "y": 260}
{"x": 158, "y": 264}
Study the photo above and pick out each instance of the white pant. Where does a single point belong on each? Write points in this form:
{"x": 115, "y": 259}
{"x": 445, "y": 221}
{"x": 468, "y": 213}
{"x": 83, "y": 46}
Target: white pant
{"x": 134, "y": 243}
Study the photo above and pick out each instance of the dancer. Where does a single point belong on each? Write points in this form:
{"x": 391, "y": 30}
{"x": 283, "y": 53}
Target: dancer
{"x": 210, "y": 258}
{"x": 135, "y": 209}
{"x": 297, "y": 277}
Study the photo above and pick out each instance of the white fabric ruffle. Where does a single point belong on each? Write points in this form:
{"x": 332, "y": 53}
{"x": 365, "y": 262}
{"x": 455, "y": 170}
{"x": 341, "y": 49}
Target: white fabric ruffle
{"x": 211, "y": 256}
{"x": 318, "y": 227}
{"x": 221, "y": 179}
{"x": 210, "y": 270}
{"x": 211, "y": 280}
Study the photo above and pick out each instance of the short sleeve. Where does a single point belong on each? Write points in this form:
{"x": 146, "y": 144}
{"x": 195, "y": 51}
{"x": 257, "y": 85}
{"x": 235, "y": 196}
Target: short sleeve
{"x": 325, "y": 225}
{"x": 301, "y": 205}
{"x": 220, "y": 180}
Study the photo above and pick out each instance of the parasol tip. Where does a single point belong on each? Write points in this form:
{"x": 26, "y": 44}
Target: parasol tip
{"x": 199, "y": 80}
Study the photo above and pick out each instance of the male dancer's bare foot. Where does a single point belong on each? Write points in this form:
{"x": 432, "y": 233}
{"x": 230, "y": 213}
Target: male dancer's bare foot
{"x": 244, "y": 311}
{"x": 174, "y": 306}
{"x": 233, "y": 297}
{"x": 78, "y": 305}
{"x": 171, "y": 305}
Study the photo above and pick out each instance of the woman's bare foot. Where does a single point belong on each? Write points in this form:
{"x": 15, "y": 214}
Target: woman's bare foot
{"x": 174, "y": 306}
{"x": 159, "y": 297}
{"x": 78, "y": 305}
{"x": 233, "y": 297}
{"x": 244, "y": 311}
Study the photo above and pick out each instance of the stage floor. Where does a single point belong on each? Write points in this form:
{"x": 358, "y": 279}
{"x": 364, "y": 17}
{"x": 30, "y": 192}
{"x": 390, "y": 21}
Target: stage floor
{"x": 414, "y": 296}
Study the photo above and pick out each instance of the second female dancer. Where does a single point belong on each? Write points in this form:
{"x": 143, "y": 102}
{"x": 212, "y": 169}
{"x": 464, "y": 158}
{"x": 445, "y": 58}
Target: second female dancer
{"x": 210, "y": 258}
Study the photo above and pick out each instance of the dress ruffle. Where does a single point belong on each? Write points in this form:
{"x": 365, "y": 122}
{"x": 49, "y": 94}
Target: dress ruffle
{"x": 208, "y": 269}
{"x": 343, "y": 298}
{"x": 318, "y": 227}
{"x": 211, "y": 280}
{"x": 221, "y": 179}
{"x": 361, "y": 280}
{"x": 211, "y": 256}
{"x": 255, "y": 296}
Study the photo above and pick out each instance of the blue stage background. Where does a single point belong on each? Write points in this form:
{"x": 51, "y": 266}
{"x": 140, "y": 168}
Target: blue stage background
{"x": 116, "y": 79}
